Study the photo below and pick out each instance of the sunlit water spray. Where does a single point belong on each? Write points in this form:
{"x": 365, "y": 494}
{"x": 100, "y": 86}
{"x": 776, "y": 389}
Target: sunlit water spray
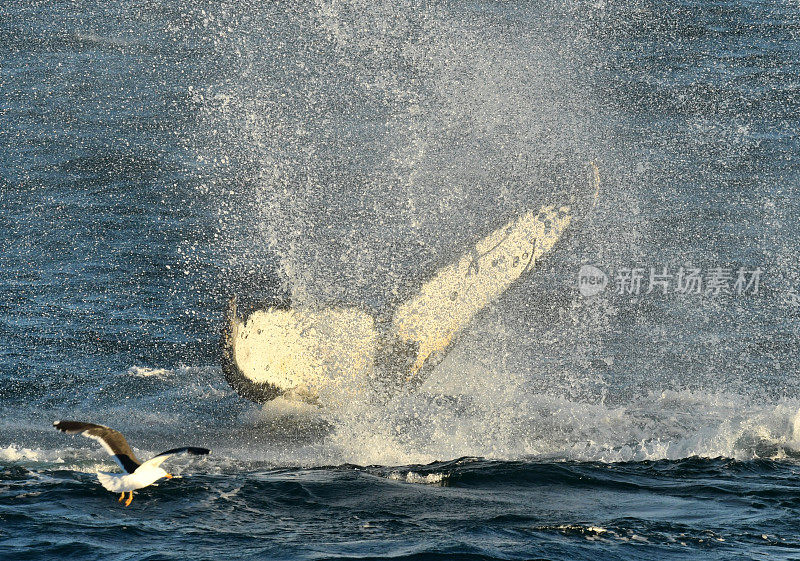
{"x": 362, "y": 146}
{"x": 158, "y": 157}
{"x": 350, "y": 151}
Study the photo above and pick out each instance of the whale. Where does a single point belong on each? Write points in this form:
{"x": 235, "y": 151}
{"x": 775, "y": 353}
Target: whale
{"x": 304, "y": 352}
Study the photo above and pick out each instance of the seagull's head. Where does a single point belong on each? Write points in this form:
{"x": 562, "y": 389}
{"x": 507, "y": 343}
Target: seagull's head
{"x": 161, "y": 473}
{"x": 151, "y": 474}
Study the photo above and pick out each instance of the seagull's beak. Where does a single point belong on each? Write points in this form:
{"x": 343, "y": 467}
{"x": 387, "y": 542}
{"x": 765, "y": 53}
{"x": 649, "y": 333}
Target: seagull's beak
{"x": 169, "y": 476}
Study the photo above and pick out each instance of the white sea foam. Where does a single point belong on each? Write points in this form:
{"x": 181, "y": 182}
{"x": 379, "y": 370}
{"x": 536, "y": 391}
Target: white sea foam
{"x": 665, "y": 425}
{"x": 440, "y": 422}
{"x": 144, "y": 372}
{"x": 85, "y": 460}
{"x": 14, "y": 453}
{"x": 414, "y": 477}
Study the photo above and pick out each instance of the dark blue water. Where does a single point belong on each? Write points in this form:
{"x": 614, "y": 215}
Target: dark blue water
{"x": 158, "y": 157}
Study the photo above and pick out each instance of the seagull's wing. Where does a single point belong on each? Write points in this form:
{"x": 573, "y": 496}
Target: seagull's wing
{"x": 156, "y": 461}
{"x": 113, "y": 442}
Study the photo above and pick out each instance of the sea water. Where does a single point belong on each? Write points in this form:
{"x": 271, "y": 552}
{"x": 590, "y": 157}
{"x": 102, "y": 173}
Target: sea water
{"x": 159, "y": 157}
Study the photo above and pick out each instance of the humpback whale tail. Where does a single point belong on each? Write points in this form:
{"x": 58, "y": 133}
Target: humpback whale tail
{"x": 300, "y": 352}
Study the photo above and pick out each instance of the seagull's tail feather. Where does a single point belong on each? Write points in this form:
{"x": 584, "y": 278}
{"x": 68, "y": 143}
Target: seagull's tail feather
{"x": 111, "y": 481}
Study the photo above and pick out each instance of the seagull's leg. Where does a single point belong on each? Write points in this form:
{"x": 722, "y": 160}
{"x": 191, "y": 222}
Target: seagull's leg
{"x": 122, "y": 496}
{"x": 130, "y": 499}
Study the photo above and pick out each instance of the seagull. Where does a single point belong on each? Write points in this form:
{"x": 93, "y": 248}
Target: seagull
{"x": 136, "y": 474}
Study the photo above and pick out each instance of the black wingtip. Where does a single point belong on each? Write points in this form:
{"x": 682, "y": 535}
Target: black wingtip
{"x": 198, "y": 451}
{"x": 68, "y": 426}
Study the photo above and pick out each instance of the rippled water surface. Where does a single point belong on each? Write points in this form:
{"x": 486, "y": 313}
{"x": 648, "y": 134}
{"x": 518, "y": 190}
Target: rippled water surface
{"x": 158, "y": 157}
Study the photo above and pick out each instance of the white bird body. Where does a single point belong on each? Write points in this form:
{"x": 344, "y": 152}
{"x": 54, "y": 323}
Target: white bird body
{"x": 124, "y": 482}
{"x": 135, "y": 475}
